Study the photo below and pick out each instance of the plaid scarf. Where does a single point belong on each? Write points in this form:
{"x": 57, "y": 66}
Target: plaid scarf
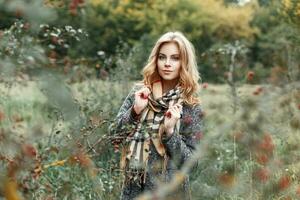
{"x": 150, "y": 128}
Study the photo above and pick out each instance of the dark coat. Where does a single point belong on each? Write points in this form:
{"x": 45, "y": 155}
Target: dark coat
{"x": 179, "y": 148}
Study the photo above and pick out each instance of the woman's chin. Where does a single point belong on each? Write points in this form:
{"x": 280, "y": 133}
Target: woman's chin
{"x": 167, "y": 78}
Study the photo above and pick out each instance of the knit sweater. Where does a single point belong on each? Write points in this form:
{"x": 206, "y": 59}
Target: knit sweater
{"x": 179, "y": 147}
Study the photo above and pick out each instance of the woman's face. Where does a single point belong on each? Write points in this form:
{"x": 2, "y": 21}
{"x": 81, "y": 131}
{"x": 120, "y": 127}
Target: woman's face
{"x": 169, "y": 62}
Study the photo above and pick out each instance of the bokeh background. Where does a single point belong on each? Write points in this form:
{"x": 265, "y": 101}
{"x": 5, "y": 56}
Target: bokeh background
{"x": 67, "y": 65}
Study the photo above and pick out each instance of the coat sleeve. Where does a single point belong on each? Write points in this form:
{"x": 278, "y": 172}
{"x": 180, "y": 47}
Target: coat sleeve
{"x": 181, "y": 145}
{"x": 126, "y": 117}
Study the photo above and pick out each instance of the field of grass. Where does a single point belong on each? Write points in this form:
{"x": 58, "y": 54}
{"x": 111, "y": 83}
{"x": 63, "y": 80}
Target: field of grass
{"x": 60, "y": 130}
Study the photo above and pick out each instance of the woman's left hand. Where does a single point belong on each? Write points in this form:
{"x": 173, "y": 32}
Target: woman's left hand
{"x": 171, "y": 117}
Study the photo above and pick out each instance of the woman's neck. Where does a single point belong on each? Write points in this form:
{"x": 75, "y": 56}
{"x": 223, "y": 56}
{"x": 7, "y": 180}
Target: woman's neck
{"x": 168, "y": 85}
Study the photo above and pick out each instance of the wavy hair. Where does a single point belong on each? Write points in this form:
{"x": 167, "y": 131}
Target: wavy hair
{"x": 188, "y": 76}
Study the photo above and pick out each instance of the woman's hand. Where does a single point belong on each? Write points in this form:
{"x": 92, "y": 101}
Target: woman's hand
{"x": 171, "y": 117}
{"x": 141, "y": 99}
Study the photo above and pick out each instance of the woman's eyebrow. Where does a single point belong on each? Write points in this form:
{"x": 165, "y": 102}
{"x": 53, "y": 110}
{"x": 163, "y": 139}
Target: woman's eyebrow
{"x": 177, "y": 54}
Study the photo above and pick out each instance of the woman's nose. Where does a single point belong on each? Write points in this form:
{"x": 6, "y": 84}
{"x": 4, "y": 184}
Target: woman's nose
{"x": 167, "y": 63}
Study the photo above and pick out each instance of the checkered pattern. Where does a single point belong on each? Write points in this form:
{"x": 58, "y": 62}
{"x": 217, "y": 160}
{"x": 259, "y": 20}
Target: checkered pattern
{"x": 150, "y": 127}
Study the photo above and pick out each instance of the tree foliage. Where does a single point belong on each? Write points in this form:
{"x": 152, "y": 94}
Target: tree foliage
{"x": 122, "y": 32}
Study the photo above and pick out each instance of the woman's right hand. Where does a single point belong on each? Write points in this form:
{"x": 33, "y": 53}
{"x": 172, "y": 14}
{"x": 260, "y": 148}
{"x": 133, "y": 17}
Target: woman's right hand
{"x": 141, "y": 99}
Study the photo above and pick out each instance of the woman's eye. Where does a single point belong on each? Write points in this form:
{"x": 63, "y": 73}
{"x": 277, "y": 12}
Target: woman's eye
{"x": 175, "y": 58}
{"x": 161, "y": 57}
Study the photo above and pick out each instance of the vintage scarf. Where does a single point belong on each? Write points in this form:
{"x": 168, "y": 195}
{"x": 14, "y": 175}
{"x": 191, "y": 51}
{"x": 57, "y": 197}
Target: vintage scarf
{"x": 150, "y": 128}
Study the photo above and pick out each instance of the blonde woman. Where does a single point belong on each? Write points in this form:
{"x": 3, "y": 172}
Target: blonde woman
{"x": 159, "y": 123}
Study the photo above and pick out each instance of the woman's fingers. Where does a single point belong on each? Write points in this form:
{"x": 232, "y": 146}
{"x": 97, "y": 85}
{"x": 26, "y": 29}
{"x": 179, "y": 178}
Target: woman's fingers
{"x": 177, "y": 108}
{"x": 144, "y": 93}
{"x": 173, "y": 112}
{"x": 176, "y": 113}
{"x": 146, "y": 90}
{"x": 141, "y": 99}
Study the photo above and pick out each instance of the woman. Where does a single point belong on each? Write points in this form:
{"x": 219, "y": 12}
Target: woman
{"x": 159, "y": 122}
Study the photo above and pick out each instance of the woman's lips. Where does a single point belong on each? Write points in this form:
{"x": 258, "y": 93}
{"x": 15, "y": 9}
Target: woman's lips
{"x": 167, "y": 71}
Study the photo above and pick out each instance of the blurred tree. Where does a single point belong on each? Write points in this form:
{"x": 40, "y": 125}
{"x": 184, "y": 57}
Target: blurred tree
{"x": 276, "y": 44}
{"x": 129, "y": 28}
{"x": 111, "y": 23}
{"x": 291, "y": 10}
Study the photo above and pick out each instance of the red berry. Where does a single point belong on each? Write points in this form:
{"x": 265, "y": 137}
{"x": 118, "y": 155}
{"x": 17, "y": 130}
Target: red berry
{"x": 262, "y": 159}
{"x": 168, "y": 114}
{"x": 204, "y": 85}
{"x": 262, "y": 174}
{"x": 187, "y": 119}
{"x": 198, "y": 135}
{"x": 29, "y": 150}
{"x": 144, "y": 96}
{"x": 227, "y": 179}
{"x": 267, "y": 144}
{"x": 250, "y": 75}
{"x": 284, "y": 182}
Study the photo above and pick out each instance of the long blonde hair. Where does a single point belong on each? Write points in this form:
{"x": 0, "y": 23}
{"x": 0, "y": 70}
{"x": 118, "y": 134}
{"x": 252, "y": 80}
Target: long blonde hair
{"x": 189, "y": 75}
